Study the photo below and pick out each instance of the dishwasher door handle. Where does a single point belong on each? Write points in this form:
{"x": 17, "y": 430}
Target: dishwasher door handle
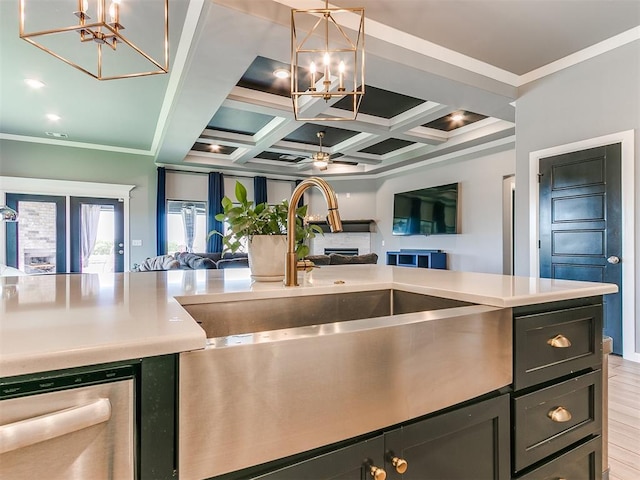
{"x": 45, "y": 427}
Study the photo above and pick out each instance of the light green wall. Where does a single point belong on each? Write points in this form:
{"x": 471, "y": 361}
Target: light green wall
{"x": 32, "y": 160}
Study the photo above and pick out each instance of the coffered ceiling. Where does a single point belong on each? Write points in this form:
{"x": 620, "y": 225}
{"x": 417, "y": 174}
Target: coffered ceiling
{"x": 442, "y": 82}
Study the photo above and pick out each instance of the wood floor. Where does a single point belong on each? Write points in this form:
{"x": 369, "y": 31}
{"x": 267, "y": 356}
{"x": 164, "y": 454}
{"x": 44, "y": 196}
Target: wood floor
{"x": 624, "y": 419}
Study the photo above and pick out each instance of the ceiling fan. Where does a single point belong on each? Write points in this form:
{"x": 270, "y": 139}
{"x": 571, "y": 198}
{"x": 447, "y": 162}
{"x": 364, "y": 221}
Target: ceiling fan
{"x": 321, "y": 160}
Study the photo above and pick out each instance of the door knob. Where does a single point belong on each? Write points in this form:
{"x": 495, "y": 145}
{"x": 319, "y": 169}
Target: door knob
{"x": 613, "y": 259}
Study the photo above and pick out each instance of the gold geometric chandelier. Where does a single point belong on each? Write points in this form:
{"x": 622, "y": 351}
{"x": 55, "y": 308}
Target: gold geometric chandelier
{"x": 327, "y": 62}
{"x": 75, "y": 31}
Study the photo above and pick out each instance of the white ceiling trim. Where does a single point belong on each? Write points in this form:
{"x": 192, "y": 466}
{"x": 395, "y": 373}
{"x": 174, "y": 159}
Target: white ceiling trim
{"x": 580, "y": 56}
{"x": 42, "y": 186}
{"x": 177, "y": 69}
{"x": 475, "y": 151}
{"x": 69, "y": 143}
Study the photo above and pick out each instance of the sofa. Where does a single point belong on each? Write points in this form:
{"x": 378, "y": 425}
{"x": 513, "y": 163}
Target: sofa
{"x": 338, "y": 259}
{"x": 193, "y": 261}
{"x": 197, "y": 261}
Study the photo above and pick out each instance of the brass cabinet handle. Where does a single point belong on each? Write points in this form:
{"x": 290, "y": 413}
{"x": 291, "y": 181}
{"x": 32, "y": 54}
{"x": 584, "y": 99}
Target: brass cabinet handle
{"x": 400, "y": 464}
{"x": 559, "y": 414}
{"x": 377, "y": 473}
{"x": 559, "y": 341}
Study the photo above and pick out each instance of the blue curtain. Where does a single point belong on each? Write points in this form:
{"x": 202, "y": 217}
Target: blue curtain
{"x": 301, "y": 201}
{"x": 161, "y": 213}
{"x": 216, "y": 192}
{"x": 260, "y": 189}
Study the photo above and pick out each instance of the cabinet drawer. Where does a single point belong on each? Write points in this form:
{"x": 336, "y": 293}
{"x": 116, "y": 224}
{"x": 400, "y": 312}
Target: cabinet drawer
{"x": 578, "y": 334}
{"x": 581, "y": 463}
{"x": 538, "y": 435}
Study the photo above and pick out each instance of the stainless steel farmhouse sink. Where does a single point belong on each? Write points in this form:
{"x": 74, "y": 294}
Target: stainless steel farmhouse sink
{"x": 286, "y": 375}
{"x": 221, "y": 319}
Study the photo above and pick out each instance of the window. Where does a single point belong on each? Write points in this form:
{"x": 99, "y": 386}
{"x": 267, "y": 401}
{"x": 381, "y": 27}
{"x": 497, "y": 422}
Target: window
{"x": 186, "y": 226}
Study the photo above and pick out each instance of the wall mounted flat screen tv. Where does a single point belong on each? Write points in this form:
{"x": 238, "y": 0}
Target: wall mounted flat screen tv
{"x": 428, "y": 211}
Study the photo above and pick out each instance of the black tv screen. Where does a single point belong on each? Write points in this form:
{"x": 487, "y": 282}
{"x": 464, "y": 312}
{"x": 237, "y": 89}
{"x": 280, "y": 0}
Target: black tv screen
{"x": 428, "y": 211}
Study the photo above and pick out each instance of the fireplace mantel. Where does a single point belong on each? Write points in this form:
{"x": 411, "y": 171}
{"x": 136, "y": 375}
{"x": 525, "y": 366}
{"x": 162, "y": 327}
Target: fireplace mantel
{"x": 348, "y": 225}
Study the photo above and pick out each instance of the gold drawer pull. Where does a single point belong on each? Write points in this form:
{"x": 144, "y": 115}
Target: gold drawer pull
{"x": 400, "y": 464}
{"x": 559, "y": 341}
{"x": 377, "y": 473}
{"x": 559, "y": 414}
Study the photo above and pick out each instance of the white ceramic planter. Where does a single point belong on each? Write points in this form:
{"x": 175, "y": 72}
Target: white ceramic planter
{"x": 267, "y": 257}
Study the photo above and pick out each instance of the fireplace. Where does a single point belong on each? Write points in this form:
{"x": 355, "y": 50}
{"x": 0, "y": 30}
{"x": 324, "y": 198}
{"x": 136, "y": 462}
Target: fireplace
{"x": 39, "y": 261}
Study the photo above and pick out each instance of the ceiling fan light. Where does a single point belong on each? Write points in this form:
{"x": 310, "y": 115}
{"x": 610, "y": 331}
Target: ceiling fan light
{"x": 321, "y": 164}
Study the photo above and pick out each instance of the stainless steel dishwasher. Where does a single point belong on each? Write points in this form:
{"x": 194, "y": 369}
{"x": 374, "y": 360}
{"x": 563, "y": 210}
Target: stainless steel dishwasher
{"x": 71, "y": 426}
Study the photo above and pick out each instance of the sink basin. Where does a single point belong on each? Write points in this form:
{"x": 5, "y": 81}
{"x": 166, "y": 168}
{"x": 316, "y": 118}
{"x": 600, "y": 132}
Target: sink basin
{"x": 281, "y": 376}
{"x": 221, "y": 319}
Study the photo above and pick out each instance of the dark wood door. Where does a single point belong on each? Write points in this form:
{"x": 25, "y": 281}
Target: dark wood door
{"x": 580, "y": 224}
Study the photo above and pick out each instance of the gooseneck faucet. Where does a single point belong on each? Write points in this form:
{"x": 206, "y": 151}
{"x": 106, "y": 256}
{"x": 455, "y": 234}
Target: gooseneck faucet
{"x": 333, "y": 217}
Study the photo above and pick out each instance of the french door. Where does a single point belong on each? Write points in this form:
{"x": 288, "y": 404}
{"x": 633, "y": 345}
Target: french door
{"x": 39, "y": 241}
{"x": 96, "y": 235}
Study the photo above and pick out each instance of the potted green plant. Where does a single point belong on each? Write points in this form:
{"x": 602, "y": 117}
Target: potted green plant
{"x": 263, "y": 229}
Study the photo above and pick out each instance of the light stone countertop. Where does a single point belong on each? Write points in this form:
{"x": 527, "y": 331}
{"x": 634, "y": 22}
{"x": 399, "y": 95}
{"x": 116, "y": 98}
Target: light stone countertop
{"x": 51, "y": 322}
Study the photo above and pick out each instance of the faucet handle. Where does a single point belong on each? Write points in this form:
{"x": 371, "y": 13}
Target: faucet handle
{"x": 305, "y": 265}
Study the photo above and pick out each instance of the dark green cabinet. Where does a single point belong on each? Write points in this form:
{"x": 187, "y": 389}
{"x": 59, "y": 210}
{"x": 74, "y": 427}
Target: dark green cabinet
{"x": 354, "y": 462}
{"x": 557, "y": 399}
{"x": 471, "y": 442}
{"x": 468, "y": 442}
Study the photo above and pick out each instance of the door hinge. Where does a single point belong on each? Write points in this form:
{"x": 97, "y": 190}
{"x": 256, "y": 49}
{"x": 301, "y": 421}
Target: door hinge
{"x": 540, "y": 176}
{"x": 539, "y": 244}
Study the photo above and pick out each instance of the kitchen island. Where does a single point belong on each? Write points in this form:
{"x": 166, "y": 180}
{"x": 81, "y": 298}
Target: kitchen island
{"x": 60, "y": 322}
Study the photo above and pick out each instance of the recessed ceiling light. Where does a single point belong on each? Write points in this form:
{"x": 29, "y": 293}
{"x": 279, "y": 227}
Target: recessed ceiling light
{"x": 281, "y": 73}
{"x": 53, "y": 117}
{"x": 33, "y": 83}
{"x": 457, "y": 117}
{"x": 56, "y": 134}
{"x": 214, "y": 148}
